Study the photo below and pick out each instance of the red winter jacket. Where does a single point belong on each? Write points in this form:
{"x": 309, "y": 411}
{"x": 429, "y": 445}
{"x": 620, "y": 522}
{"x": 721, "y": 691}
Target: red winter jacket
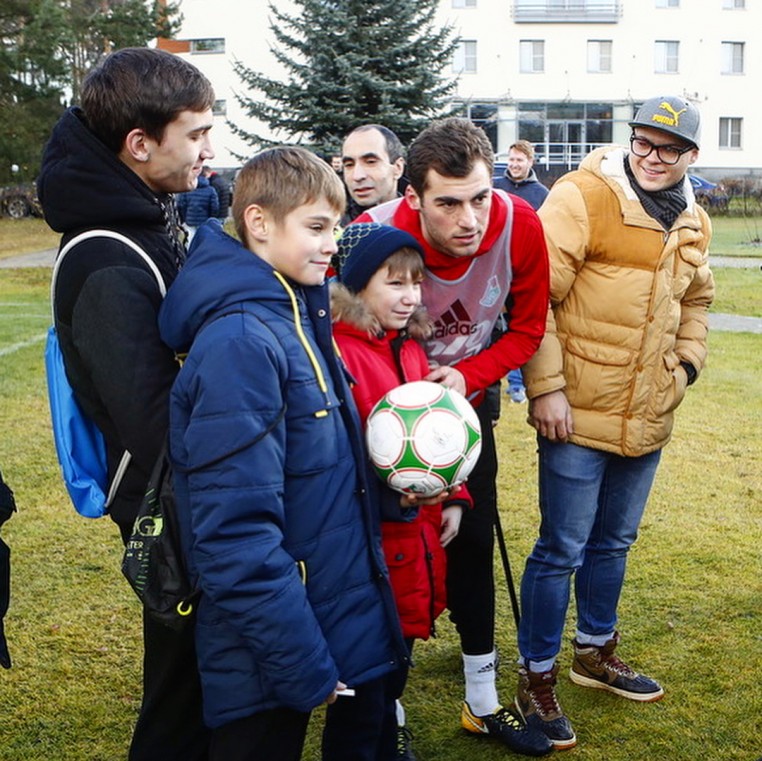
{"x": 415, "y": 557}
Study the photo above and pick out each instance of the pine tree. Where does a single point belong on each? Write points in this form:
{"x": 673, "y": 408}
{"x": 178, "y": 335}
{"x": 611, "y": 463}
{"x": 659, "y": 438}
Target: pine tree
{"x": 49, "y": 45}
{"x": 350, "y": 62}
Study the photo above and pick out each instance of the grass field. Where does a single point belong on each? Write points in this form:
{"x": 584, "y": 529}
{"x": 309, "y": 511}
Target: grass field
{"x": 691, "y": 613}
{"x": 733, "y": 236}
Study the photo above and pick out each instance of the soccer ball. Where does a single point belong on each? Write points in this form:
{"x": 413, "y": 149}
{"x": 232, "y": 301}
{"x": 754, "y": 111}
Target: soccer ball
{"x": 423, "y": 438}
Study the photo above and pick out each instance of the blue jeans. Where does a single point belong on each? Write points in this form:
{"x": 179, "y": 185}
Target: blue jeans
{"x": 591, "y": 503}
{"x": 515, "y": 378}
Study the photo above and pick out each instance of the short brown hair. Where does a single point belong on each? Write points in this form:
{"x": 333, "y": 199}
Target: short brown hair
{"x": 405, "y": 260}
{"x": 525, "y": 147}
{"x": 141, "y": 88}
{"x": 280, "y": 180}
{"x": 450, "y": 147}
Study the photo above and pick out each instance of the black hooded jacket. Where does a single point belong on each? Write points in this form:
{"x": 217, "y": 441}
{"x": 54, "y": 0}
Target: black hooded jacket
{"x": 107, "y": 300}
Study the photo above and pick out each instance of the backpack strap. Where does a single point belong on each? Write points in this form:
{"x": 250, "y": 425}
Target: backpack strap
{"x": 103, "y": 234}
{"x": 127, "y": 456}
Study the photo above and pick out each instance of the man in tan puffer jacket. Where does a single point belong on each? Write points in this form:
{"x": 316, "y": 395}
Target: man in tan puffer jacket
{"x": 630, "y": 290}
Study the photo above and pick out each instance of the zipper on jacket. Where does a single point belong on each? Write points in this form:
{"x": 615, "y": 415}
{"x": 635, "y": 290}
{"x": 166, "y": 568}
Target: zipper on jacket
{"x": 303, "y": 339}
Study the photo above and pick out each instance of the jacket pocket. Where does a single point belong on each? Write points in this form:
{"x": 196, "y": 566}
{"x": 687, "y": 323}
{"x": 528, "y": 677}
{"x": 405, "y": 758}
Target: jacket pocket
{"x": 597, "y": 375}
{"x": 410, "y": 578}
{"x": 313, "y": 430}
{"x": 672, "y": 391}
{"x": 687, "y": 261}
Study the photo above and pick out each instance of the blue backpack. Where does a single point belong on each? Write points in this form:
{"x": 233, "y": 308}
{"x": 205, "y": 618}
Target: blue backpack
{"x": 80, "y": 445}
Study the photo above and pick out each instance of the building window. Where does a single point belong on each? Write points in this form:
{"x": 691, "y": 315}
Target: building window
{"x": 532, "y": 56}
{"x": 220, "y": 108}
{"x": 208, "y": 45}
{"x": 730, "y": 132}
{"x": 563, "y": 133}
{"x": 484, "y": 115}
{"x": 666, "y": 57}
{"x": 464, "y": 57}
{"x": 464, "y": 3}
{"x": 734, "y": 4}
{"x": 599, "y": 56}
{"x": 667, "y": 3}
{"x": 732, "y": 57}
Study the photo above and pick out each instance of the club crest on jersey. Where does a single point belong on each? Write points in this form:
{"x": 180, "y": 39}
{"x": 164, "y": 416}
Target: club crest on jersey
{"x": 491, "y": 292}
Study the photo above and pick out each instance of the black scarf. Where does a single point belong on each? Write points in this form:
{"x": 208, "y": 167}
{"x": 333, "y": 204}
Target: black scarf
{"x": 665, "y": 206}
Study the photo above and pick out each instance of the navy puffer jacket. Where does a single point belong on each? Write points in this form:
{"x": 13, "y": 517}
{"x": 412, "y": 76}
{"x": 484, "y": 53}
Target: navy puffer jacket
{"x": 196, "y": 206}
{"x": 272, "y": 490}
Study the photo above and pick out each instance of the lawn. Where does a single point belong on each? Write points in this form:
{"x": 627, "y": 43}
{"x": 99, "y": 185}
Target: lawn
{"x": 691, "y": 613}
{"x": 24, "y": 236}
{"x": 736, "y": 236}
{"x": 737, "y": 291}
{"x": 733, "y": 236}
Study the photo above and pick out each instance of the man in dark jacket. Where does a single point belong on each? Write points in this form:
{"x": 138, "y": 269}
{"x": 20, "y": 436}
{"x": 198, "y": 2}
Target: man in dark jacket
{"x": 374, "y": 160}
{"x": 197, "y": 205}
{"x": 224, "y": 193}
{"x": 140, "y": 135}
{"x": 520, "y": 178}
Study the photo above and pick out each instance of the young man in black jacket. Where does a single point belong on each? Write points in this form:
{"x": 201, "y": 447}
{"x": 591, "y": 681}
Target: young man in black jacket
{"x": 140, "y": 135}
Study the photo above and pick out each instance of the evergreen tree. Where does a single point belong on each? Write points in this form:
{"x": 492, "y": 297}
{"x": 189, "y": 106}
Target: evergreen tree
{"x": 49, "y": 45}
{"x": 350, "y": 62}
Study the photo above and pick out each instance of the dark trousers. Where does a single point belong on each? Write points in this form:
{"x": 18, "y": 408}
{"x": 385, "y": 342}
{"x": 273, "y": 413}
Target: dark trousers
{"x": 275, "y": 735}
{"x": 364, "y": 727}
{"x": 170, "y": 726}
{"x": 470, "y": 571}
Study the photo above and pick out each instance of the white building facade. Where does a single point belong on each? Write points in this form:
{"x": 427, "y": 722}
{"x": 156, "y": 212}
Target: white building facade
{"x": 567, "y": 75}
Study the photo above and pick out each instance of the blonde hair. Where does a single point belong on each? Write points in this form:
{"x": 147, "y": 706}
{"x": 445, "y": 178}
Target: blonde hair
{"x": 283, "y": 179}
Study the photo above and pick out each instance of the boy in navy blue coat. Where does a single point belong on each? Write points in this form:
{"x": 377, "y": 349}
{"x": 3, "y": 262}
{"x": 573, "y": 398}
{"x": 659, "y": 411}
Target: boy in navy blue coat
{"x": 279, "y": 520}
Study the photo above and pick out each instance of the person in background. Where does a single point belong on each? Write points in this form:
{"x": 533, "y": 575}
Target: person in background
{"x": 373, "y": 160}
{"x": 521, "y": 180}
{"x": 627, "y": 329}
{"x": 197, "y": 205}
{"x": 140, "y": 135}
{"x": 224, "y": 194}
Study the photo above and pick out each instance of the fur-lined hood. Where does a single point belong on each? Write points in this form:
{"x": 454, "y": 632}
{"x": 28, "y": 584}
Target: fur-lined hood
{"x": 348, "y": 307}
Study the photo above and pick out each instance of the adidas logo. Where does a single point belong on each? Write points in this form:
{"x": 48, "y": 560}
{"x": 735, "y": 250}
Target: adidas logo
{"x": 456, "y": 321}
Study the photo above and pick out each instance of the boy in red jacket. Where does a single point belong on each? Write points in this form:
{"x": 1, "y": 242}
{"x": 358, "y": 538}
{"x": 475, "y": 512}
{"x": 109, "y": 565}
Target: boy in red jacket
{"x": 378, "y": 321}
{"x": 377, "y": 315}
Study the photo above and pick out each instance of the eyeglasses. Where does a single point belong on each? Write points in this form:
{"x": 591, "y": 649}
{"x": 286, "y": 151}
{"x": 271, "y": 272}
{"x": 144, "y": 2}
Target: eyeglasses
{"x": 667, "y": 154}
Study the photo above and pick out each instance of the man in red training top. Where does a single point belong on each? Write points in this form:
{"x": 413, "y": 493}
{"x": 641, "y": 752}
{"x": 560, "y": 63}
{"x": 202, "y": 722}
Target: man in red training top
{"x": 484, "y": 252}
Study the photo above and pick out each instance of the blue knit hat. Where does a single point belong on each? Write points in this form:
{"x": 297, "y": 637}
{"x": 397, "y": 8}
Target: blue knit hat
{"x": 364, "y": 247}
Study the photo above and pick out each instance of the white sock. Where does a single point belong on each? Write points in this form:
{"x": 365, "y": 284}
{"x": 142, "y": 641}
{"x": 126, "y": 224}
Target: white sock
{"x": 481, "y": 692}
{"x": 400, "y": 709}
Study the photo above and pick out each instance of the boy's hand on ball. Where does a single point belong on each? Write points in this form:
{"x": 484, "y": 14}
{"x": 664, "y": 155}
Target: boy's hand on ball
{"x": 417, "y": 500}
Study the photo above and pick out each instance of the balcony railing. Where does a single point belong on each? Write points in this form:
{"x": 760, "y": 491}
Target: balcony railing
{"x": 566, "y": 12}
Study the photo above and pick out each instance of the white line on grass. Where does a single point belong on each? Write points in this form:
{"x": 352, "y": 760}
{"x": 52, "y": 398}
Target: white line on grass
{"x": 22, "y": 345}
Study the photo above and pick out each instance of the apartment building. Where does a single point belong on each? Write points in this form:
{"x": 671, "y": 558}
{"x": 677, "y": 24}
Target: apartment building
{"x": 565, "y": 74}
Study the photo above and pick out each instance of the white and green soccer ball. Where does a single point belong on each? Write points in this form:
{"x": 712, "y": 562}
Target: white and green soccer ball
{"x": 423, "y": 438}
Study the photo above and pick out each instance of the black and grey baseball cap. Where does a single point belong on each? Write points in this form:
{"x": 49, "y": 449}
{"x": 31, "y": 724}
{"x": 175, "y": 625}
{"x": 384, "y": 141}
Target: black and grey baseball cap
{"x": 670, "y": 114}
